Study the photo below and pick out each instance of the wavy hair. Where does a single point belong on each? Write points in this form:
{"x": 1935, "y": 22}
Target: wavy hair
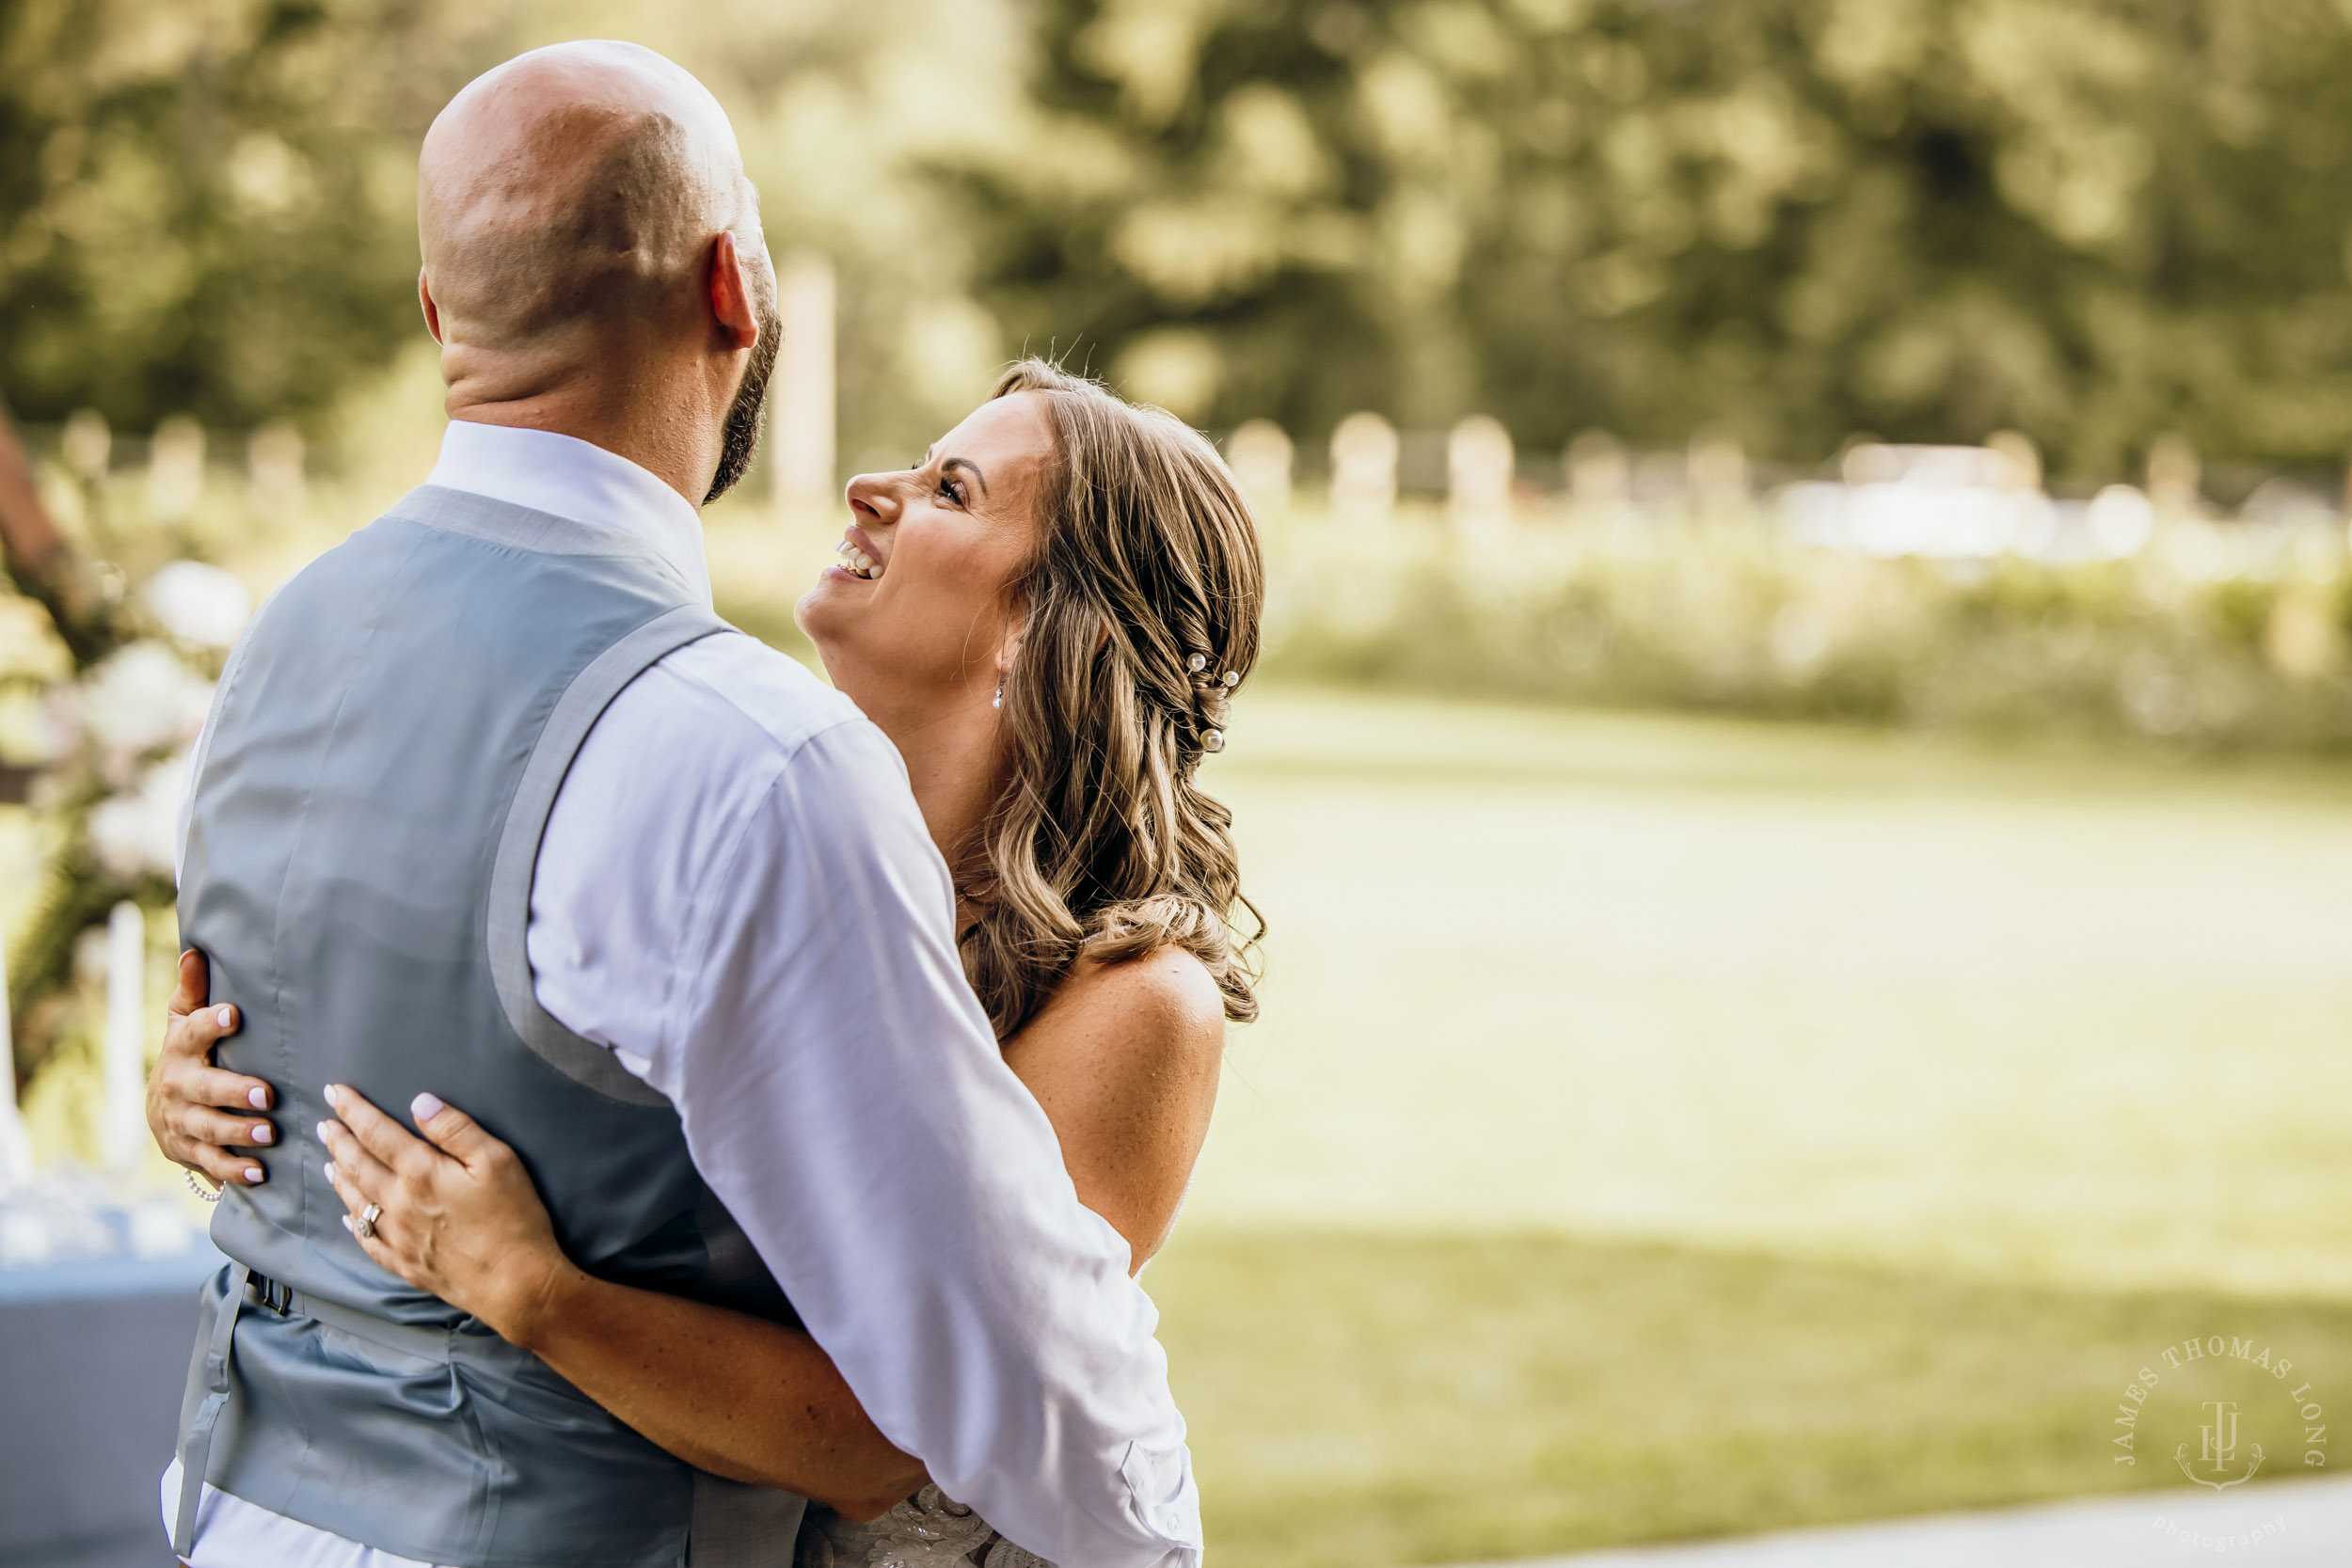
{"x": 1102, "y": 844}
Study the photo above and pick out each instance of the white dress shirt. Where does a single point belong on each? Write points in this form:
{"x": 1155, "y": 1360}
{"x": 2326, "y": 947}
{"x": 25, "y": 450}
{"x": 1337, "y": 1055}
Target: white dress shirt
{"x": 737, "y": 895}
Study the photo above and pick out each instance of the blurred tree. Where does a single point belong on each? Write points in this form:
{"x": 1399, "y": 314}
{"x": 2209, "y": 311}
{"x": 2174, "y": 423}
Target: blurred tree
{"x": 2094, "y": 221}
{"x": 43, "y": 563}
{"x": 839, "y": 106}
{"x": 206, "y": 206}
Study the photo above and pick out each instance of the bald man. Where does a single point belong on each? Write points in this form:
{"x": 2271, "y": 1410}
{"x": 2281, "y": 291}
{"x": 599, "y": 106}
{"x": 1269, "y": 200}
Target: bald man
{"x": 594, "y": 264}
{"x": 492, "y": 806}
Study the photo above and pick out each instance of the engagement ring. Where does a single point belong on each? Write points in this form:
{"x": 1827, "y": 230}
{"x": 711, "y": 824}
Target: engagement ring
{"x": 365, "y": 1229}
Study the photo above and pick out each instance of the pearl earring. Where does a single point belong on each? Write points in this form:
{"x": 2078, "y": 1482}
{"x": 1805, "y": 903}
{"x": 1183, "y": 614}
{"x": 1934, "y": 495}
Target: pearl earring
{"x": 1000, "y": 695}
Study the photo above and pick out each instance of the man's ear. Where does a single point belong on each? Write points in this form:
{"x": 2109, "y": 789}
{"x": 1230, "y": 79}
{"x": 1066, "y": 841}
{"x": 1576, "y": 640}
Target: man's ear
{"x": 731, "y": 294}
{"x": 432, "y": 311}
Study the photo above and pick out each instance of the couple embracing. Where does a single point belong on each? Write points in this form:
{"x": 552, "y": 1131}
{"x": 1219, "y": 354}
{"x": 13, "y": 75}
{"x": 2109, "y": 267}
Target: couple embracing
{"x": 712, "y": 1119}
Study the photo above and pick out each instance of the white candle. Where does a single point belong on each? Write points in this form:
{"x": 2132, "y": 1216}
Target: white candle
{"x": 125, "y": 1125}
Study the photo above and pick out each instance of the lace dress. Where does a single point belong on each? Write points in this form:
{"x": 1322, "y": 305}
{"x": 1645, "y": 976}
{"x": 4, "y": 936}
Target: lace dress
{"x": 928, "y": 1530}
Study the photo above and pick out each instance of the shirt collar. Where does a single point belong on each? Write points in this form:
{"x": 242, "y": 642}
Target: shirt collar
{"x": 566, "y": 477}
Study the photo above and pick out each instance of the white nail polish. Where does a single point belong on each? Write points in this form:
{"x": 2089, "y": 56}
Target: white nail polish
{"x": 252, "y": 1173}
{"x": 224, "y": 1018}
{"x": 257, "y": 1099}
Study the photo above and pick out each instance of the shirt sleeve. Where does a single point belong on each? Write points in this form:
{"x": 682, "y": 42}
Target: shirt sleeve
{"x": 842, "y": 1093}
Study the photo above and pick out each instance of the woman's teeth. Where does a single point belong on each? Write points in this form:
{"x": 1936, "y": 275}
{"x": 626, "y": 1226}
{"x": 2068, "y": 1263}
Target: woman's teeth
{"x": 857, "y": 562}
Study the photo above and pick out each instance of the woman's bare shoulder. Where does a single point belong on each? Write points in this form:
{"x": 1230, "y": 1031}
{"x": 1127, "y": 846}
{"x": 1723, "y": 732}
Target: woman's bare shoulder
{"x": 1162, "y": 1002}
{"x": 1168, "y": 985}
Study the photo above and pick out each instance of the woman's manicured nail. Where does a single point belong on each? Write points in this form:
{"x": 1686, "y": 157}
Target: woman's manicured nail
{"x": 327, "y": 1170}
{"x": 262, "y": 1133}
{"x": 346, "y": 1219}
{"x": 225, "y": 1018}
{"x": 253, "y": 1173}
{"x": 331, "y": 1092}
{"x": 323, "y": 1130}
{"x": 258, "y": 1097}
{"x": 425, "y": 1107}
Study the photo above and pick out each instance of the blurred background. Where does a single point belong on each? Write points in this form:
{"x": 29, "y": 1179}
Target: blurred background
{"x": 1799, "y": 779}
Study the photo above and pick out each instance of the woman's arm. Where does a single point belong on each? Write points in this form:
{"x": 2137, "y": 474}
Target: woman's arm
{"x": 731, "y": 1394}
{"x": 1124, "y": 1059}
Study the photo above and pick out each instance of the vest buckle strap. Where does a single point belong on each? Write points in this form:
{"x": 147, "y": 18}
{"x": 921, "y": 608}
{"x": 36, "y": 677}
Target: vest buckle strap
{"x": 270, "y": 1293}
{"x": 218, "y": 1370}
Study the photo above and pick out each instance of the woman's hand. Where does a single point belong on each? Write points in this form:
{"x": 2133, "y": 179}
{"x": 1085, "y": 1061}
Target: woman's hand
{"x": 459, "y": 1217}
{"x": 202, "y": 1117}
{"x": 742, "y": 1398}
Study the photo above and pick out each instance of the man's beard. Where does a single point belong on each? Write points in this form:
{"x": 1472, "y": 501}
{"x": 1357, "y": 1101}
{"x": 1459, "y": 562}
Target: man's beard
{"x": 740, "y": 439}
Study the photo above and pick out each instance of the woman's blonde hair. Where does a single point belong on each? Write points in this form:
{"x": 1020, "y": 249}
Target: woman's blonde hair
{"x": 1142, "y": 598}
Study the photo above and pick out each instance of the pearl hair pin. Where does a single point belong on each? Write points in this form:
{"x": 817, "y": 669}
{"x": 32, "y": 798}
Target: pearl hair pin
{"x": 1212, "y": 740}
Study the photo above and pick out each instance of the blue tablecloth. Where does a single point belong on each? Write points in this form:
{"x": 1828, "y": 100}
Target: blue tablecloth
{"x": 92, "y": 1359}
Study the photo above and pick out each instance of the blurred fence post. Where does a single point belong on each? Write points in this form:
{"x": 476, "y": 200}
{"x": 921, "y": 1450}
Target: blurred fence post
{"x": 1364, "y": 468}
{"x": 125, "y": 1057}
{"x": 1600, "y": 478}
{"x": 274, "y": 465}
{"x": 2174, "y": 478}
{"x": 1717, "y": 475}
{"x": 2024, "y": 459}
{"x": 16, "y": 1146}
{"x": 804, "y": 389}
{"x": 1480, "y": 467}
{"x": 1260, "y": 454}
{"x": 175, "y": 470}
{"x": 86, "y": 445}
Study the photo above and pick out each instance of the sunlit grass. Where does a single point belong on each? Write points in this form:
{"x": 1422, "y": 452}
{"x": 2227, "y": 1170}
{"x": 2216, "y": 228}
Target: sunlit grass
{"x": 1666, "y": 1126}
{"x": 1359, "y": 1400}
{"x": 2076, "y": 1017}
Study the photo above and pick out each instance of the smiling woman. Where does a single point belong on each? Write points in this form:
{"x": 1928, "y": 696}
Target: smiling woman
{"x": 1049, "y": 616}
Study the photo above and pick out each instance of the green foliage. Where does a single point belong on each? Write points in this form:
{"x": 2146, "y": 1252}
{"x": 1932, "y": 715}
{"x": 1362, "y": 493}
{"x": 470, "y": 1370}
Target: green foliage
{"x": 2091, "y": 220}
{"x": 2240, "y": 650}
{"x": 206, "y": 205}
{"x": 839, "y": 106}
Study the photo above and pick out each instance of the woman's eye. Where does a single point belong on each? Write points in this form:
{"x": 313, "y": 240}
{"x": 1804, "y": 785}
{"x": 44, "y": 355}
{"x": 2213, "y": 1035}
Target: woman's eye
{"x": 952, "y": 490}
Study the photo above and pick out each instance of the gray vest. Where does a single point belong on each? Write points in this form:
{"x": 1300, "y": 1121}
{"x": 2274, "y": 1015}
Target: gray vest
{"x": 358, "y": 869}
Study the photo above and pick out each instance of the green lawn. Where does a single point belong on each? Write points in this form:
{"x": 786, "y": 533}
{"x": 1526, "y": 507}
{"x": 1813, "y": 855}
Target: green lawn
{"x": 1360, "y": 1400}
{"x": 1662, "y": 1127}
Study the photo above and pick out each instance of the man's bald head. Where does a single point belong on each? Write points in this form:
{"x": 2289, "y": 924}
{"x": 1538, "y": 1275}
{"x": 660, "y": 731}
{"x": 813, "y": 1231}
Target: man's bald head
{"x": 573, "y": 188}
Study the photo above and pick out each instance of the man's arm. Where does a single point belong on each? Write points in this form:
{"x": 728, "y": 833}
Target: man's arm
{"x": 793, "y": 985}
{"x": 842, "y": 1093}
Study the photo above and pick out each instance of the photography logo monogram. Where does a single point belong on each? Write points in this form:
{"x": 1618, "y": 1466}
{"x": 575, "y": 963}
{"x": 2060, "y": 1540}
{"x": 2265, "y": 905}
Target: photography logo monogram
{"x": 2220, "y": 1447}
{"x": 2242, "y": 1403}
